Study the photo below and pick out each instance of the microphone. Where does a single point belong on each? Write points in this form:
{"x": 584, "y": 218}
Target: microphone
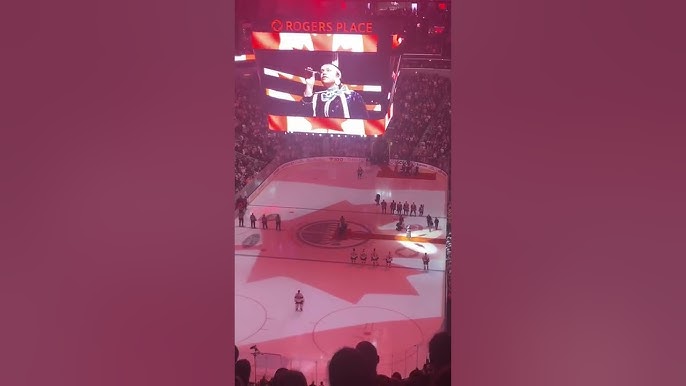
{"x": 309, "y": 69}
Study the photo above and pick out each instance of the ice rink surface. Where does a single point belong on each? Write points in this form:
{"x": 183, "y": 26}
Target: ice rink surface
{"x": 398, "y": 308}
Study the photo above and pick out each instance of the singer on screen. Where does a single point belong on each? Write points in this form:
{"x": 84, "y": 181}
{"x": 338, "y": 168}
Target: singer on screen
{"x": 336, "y": 100}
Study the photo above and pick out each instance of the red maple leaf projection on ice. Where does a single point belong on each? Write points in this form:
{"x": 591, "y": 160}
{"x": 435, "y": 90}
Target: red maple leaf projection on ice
{"x": 313, "y": 237}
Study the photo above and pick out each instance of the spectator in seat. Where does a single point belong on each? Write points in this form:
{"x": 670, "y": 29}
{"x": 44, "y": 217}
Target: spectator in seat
{"x": 439, "y": 351}
{"x": 371, "y": 359}
{"x": 293, "y": 378}
{"x": 278, "y": 374}
{"x": 442, "y": 378}
{"x": 243, "y": 371}
{"x": 348, "y": 368}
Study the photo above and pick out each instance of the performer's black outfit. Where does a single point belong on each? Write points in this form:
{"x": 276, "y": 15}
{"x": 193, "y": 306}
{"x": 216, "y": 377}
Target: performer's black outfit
{"x": 336, "y": 102}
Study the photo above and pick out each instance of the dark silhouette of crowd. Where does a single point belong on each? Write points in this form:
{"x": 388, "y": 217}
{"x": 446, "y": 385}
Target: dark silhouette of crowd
{"x": 358, "y": 367}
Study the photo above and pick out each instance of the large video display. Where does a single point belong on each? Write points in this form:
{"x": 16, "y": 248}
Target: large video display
{"x": 325, "y": 83}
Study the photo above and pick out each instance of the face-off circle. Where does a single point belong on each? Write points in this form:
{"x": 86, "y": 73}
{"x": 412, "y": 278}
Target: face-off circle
{"x": 250, "y": 309}
{"x": 382, "y": 327}
{"x": 250, "y": 241}
{"x": 325, "y": 234}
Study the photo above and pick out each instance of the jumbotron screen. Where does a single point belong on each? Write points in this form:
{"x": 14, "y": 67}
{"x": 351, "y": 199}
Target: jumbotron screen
{"x": 338, "y": 83}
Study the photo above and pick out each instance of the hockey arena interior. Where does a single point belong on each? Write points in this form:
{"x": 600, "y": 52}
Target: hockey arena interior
{"x": 342, "y": 238}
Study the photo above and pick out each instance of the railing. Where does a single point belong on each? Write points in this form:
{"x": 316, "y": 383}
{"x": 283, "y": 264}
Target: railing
{"x": 409, "y": 360}
{"x": 448, "y": 285}
{"x": 265, "y": 364}
{"x": 427, "y": 63}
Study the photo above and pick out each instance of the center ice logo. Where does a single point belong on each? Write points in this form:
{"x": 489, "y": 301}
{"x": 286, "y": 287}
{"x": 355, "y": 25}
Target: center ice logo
{"x": 317, "y": 230}
{"x": 325, "y": 234}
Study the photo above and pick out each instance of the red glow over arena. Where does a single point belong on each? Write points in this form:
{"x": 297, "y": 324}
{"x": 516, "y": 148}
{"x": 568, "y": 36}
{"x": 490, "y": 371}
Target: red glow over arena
{"x": 343, "y": 235}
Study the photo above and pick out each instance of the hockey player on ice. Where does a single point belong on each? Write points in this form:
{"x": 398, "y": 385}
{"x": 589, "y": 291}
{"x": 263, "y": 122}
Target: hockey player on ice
{"x": 375, "y": 257}
{"x": 299, "y": 301}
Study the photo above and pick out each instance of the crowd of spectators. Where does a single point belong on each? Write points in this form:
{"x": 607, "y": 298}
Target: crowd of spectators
{"x": 298, "y": 145}
{"x": 255, "y": 146}
{"x": 434, "y": 147}
{"x": 422, "y": 101}
{"x": 358, "y": 367}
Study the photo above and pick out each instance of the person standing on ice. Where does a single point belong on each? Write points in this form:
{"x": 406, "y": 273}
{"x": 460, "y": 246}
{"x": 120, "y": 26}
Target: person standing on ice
{"x": 389, "y": 259}
{"x": 299, "y": 301}
{"x": 425, "y": 260}
{"x": 353, "y": 256}
{"x": 241, "y": 217}
{"x": 375, "y": 257}
{"x": 253, "y": 220}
